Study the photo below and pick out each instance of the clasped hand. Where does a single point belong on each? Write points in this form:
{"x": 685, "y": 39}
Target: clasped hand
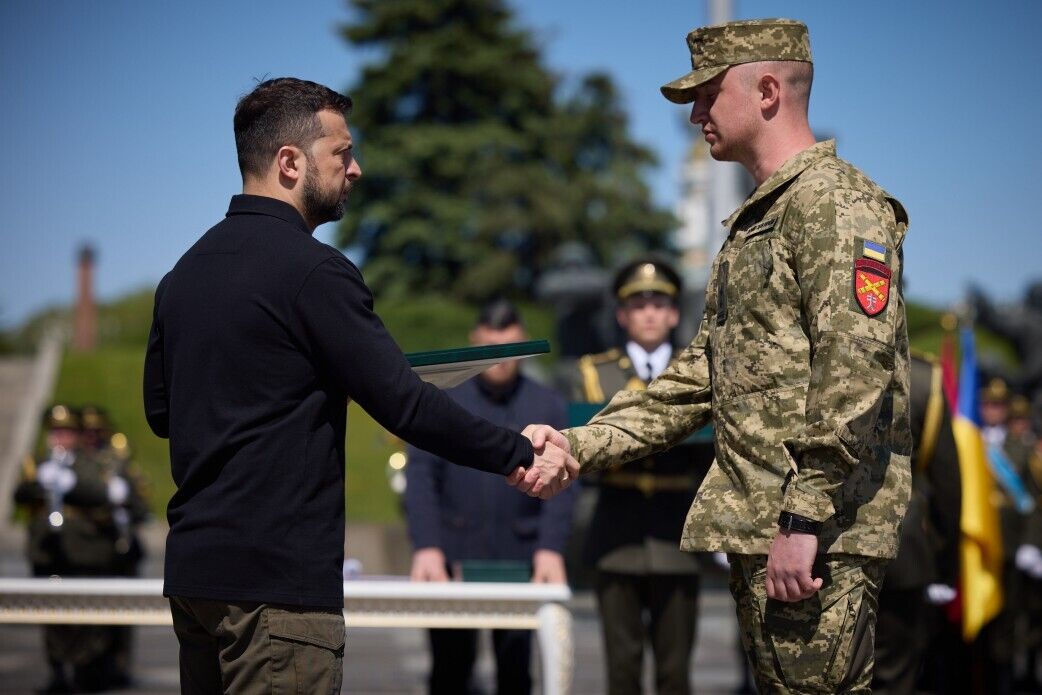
{"x": 789, "y": 567}
{"x": 553, "y": 467}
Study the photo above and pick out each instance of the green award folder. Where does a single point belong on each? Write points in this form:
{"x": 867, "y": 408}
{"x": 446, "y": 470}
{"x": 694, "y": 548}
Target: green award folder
{"x": 448, "y": 368}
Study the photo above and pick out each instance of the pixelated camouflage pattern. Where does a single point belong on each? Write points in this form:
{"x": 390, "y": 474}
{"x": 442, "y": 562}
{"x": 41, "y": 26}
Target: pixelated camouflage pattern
{"x": 824, "y": 644}
{"x": 808, "y": 396}
{"x": 716, "y": 48}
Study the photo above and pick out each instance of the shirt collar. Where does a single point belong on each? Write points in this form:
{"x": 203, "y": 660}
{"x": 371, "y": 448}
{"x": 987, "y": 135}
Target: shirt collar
{"x": 792, "y": 168}
{"x": 658, "y": 358}
{"x": 245, "y": 204}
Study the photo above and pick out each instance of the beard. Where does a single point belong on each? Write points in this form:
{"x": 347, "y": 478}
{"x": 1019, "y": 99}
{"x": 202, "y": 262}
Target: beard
{"x": 320, "y": 206}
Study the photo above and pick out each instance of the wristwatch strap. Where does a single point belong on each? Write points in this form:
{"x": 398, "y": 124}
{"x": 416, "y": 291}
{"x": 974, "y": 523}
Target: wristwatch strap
{"x": 800, "y": 524}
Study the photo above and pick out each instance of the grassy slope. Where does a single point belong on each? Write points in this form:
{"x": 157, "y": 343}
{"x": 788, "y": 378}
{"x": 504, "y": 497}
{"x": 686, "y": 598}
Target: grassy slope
{"x": 111, "y": 377}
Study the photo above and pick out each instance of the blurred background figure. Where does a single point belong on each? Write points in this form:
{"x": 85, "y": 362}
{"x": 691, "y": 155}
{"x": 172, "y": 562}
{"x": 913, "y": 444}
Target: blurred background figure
{"x": 924, "y": 575}
{"x": 647, "y": 588}
{"x": 457, "y": 515}
{"x": 129, "y": 508}
{"x": 70, "y": 497}
{"x": 1029, "y": 562}
{"x": 1020, "y": 324}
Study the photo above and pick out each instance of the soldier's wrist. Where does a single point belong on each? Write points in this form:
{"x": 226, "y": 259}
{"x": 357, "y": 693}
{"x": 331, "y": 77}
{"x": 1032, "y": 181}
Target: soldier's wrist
{"x": 800, "y": 524}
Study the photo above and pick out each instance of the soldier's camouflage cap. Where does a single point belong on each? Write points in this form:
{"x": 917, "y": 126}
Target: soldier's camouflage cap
{"x": 719, "y": 46}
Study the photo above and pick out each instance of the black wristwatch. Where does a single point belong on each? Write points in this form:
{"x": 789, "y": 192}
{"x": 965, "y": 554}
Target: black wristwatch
{"x": 800, "y": 524}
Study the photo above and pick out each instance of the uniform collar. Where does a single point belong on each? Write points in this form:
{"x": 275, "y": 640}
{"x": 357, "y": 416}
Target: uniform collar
{"x": 792, "y": 168}
{"x": 245, "y": 204}
{"x": 641, "y": 358}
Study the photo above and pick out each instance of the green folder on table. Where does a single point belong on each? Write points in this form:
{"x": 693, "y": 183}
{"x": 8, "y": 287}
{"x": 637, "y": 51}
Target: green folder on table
{"x": 448, "y": 368}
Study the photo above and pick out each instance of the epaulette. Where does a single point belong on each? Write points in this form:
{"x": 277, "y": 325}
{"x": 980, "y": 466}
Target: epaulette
{"x": 922, "y": 355}
{"x": 603, "y": 357}
{"x": 591, "y": 379}
{"x": 29, "y": 468}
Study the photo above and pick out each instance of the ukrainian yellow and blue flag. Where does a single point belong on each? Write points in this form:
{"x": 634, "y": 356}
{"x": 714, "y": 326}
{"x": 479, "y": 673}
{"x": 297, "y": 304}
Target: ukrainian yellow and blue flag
{"x": 981, "y": 544}
{"x": 876, "y": 252}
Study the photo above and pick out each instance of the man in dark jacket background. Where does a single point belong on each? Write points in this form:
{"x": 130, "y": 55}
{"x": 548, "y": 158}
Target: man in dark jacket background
{"x": 458, "y": 514}
{"x": 260, "y": 335}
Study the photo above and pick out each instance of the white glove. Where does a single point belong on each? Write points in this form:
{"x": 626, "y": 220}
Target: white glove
{"x": 119, "y": 490}
{"x": 1029, "y": 561}
{"x": 55, "y": 477}
{"x": 940, "y": 594}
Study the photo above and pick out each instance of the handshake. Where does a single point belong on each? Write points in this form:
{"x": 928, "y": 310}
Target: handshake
{"x": 553, "y": 467}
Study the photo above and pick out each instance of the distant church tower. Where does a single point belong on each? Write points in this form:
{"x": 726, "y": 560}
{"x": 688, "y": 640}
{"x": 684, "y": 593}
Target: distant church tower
{"x": 85, "y": 324}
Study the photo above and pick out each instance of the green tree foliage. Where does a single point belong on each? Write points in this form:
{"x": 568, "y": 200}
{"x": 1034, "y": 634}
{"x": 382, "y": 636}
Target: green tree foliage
{"x": 475, "y": 167}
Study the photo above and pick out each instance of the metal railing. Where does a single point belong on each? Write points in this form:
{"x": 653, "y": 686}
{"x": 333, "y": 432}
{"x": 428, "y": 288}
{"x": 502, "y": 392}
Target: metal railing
{"x": 386, "y": 603}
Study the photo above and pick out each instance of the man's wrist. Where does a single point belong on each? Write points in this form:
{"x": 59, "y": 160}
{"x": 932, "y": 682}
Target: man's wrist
{"x": 800, "y": 524}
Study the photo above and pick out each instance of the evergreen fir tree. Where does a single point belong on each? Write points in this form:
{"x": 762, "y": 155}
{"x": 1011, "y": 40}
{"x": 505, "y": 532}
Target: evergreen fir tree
{"x": 472, "y": 172}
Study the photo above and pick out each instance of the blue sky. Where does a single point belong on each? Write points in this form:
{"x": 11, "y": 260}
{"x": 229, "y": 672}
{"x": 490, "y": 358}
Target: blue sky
{"x": 116, "y": 120}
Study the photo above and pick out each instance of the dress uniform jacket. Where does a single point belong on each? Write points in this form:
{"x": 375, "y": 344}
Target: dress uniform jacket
{"x": 805, "y": 376}
{"x": 85, "y": 544}
{"x": 641, "y": 505}
{"x": 929, "y": 551}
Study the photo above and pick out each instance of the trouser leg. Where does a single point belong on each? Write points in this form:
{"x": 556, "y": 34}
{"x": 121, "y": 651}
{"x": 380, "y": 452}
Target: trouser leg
{"x": 513, "y": 659}
{"x": 453, "y": 653}
{"x": 901, "y": 635}
{"x": 823, "y": 644}
{"x": 620, "y": 603}
{"x": 199, "y": 651}
{"x": 673, "y": 617}
{"x": 259, "y": 648}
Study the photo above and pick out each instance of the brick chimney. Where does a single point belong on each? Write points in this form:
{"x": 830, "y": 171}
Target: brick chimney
{"x": 85, "y": 328}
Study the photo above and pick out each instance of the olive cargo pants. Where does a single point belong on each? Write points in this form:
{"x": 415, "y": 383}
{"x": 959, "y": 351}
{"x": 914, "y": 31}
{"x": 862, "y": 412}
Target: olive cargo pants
{"x": 823, "y": 644}
{"x": 253, "y": 648}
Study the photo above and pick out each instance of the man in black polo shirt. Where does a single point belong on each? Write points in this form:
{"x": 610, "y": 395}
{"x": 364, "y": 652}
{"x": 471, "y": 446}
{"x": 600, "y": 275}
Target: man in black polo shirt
{"x": 260, "y": 335}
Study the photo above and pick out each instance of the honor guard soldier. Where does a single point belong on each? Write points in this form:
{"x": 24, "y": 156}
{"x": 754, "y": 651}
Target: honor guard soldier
{"x": 129, "y": 508}
{"x": 634, "y": 537}
{"x": 71, "y": 534}
{"x": 926, "y": 570}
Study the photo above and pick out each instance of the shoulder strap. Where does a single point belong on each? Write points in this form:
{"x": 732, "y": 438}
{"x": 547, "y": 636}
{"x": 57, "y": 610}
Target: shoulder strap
{"x": 591, "y": 380}
{"x": 932, "y": 422}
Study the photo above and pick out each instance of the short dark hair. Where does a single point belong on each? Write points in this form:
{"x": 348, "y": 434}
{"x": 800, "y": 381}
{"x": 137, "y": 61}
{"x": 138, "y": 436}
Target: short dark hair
{"x": 499, "y": 314}
{"x": 278, "y": 112}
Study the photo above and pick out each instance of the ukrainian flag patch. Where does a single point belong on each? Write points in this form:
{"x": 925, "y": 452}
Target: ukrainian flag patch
{"x": 877, "y": 252}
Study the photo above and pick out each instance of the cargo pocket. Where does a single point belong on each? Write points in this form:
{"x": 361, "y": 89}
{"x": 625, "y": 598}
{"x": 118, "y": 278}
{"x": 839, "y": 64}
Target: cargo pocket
{"x": 307, "y": 652}
{"x": 811, "y": 640}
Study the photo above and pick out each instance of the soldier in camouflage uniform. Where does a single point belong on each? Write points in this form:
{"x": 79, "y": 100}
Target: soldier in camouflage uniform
{"x": 801, "y": 363}
{"x": 634, "y": 536}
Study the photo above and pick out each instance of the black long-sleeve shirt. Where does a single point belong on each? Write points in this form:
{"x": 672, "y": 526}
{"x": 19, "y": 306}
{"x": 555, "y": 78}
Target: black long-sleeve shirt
{"x": 260, "y": 335}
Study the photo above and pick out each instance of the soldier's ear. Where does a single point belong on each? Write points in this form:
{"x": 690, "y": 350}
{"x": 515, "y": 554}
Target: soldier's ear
{"x": 770, "y": 89}
{"x": 622, "y": 317}
{"x": 673, "y": 316}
